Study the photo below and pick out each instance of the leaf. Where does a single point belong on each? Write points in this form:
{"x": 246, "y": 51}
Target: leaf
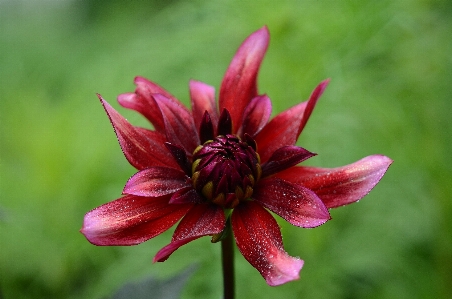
{"x": 151, "y": 287}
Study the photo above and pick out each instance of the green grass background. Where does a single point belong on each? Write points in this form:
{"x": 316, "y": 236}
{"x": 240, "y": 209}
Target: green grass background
{"x": 390, "y": 65}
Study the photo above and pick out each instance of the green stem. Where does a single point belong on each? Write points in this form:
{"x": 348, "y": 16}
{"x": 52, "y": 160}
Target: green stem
{"x": 227, "y": 255}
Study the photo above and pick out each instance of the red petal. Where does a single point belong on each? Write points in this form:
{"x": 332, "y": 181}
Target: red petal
{"x": 131, "y": 220}
{"x": 144, "y": 105}
{"x": 148, "y": 88}
{"x": 206, "y": 129}
{"x": 311, "y": 104}
{"x": 156, "y": 182}
{"x": 180, "y": 156}
{"x": 239, "y": 83}
{"x": 203, "y": 99}
{"x": 297, "y": 204}
{"x": 280, "y": 131}
{"x": 343, "y": 185}
{"x": 284, "y": 158}
{"x": 201, "y": 220}
{"x": 143, "y": 102}
{"x": 179, "y": 125}
{"x": 285, "y": 127}
{"x": 186, "y": 195}
{"x": 159, "y": 146}
{"x": 256, "y": 115}
{"x": 258, "y": 238}
{"x": 224, "y": 123}
{"x": 142, "y": 148}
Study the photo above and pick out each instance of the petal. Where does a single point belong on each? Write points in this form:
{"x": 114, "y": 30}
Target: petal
{"x": 131, "y": 220}
{"x": 202, "y": 100}
{"x": 206, "y": 131}
{"x": 201, "y": 220}
{"x": 256, "y": 115}
{"x": 239, "y": 83}
{"x": 258, "y": 238}
{"x": 280, "y": 131}
{"x": 297, "y": 204}
{"x": 179, "y": 125}
{"x": 141, "y": 147}
{"x": 285, "y": 127}
{"x": 343, "y": 185}
{"x": 186, "y": 195}
{"x": 159, "y": 146}
{"x": 224, "y": 123}
{"x": 180, "y": 156}
{"x": 284, "y": 158}
{"x": 143, "y": 102}
{"x": 156, "y": 182}
{"x": 315, "y": 95}
{"x": 146, "y": 106}
{"x": 148, "y": 88}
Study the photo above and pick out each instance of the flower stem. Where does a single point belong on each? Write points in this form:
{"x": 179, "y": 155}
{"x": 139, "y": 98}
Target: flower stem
{"x": 227, "y": 255}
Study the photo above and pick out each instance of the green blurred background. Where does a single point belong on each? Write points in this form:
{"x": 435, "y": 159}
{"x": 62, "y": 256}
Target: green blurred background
{"x": 390, "y": 65}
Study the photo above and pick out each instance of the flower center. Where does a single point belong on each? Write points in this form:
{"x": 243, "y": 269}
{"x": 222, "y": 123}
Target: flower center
{"x": 225, "y": 169}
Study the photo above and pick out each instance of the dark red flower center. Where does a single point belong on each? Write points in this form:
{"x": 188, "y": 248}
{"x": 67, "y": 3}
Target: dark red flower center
{"x": 226, "y": 169}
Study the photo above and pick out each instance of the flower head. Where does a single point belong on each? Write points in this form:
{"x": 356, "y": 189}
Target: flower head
{"x": 230, "y": 163}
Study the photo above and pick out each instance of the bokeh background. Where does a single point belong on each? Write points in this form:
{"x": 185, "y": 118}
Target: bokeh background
{"x": 390, "y": 65}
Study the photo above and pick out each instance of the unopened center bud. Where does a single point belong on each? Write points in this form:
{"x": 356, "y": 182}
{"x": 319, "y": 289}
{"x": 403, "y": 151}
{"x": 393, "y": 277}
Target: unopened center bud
{"x": 225, "y": 170}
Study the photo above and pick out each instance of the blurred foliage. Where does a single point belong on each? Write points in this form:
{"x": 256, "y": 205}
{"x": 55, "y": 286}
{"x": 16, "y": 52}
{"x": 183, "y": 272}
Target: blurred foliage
{"x": 390, "y": 66}
{"x": 170, "y": 288}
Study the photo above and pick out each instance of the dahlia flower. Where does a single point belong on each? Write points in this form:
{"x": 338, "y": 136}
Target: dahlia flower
{"x": 219, "y": 169}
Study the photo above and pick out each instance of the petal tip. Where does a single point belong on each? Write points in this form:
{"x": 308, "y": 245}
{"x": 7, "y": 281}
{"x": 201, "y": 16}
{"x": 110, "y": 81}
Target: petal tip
{"x": 284, "y": 269}
{"x": 326, "y": 81}
{"x": 264, "y": 32}
{"x": 100, "y": 98}
{"x": 385, "y": 159}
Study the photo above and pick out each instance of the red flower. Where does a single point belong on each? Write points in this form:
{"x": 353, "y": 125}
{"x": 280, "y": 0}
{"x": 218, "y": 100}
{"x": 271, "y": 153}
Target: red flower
{"x": 212, "y": 164}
